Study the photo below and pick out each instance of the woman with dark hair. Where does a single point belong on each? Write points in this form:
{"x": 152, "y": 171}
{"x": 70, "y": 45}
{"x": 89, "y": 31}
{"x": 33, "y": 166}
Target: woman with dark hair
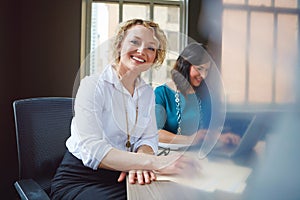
{"x": 183, "y": 105}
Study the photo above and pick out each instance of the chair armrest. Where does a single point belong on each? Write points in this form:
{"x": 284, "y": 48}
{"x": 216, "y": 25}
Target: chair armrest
{"x": 30, "y": 190}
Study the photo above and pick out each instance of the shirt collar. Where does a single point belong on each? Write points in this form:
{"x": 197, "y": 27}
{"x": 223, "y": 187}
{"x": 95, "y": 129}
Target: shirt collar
{"x": 109, "y": 75}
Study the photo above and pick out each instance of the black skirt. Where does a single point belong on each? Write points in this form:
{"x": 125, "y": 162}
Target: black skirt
{"x": 73, "y": 180}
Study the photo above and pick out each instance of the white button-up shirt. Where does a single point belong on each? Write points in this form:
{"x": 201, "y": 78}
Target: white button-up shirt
{"x": 100, "y": 124}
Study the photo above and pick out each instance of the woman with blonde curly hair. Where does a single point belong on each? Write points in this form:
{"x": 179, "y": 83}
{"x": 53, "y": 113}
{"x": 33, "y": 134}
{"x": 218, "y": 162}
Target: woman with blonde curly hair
{"x": 113, "y": 131}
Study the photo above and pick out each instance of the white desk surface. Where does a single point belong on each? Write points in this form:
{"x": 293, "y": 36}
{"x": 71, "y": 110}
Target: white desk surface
{"x": 220, "y": 178}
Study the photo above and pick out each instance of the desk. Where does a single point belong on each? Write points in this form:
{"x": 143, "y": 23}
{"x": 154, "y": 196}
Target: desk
{"x": 167, "y": 190}
{"x": 164, "y": 189}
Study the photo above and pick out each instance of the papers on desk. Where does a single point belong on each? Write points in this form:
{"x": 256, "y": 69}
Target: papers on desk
{"x": 215, "y": 176}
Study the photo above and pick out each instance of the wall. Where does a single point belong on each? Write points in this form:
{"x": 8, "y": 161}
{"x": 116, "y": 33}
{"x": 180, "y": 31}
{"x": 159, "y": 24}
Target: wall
{"x": 40, "y": 56}
{"x": 205, "y": 25}
{"x": 10, "y": 65}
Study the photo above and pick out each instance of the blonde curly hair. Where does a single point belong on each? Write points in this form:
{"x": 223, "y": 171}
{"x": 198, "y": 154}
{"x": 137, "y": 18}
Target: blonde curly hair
{"x": 159, "y": 34}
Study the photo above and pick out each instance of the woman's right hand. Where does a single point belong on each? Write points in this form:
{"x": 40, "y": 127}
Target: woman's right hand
{"x": 197, "y": 137}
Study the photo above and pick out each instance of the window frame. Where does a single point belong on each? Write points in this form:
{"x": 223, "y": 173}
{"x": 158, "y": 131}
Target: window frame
{"x": 276, "y": 11}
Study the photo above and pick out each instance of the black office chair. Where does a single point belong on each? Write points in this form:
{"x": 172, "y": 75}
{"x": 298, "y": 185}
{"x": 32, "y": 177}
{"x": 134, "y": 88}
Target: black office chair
{"x": 42, "y": 127}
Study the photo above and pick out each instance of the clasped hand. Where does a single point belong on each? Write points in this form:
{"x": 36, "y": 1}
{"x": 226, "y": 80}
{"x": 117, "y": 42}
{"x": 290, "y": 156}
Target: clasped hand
{"x": 172, "y": 164}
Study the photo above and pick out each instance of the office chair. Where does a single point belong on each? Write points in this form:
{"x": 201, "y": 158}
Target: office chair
{"x": 42, "y": 127}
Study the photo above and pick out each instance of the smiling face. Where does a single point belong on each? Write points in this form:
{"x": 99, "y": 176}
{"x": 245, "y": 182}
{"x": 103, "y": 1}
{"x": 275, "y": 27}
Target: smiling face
{"x": 198, "y": 73}
{"x": 138, "y": 49}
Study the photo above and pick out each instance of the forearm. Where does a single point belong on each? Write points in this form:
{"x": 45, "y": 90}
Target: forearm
{"x": 169, "y": 137}
{"x": 124, "y": 161}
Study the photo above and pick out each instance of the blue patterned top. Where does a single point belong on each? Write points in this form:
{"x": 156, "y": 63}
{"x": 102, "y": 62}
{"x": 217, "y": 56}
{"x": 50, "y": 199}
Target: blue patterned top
{"x": 191, "y": 115}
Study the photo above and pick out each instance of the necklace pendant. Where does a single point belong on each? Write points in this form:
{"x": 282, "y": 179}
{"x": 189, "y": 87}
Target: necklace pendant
{"x": 128, "y": 144}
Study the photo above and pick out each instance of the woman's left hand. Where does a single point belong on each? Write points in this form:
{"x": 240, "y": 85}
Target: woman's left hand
{"x": 230, "y": 138}
{"x": 141, "y": 176}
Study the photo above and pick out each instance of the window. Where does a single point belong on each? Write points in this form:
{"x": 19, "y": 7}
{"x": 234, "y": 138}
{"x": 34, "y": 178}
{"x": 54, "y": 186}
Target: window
{"x": 101, "y": 18}
{"x": 260, "y": 48}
